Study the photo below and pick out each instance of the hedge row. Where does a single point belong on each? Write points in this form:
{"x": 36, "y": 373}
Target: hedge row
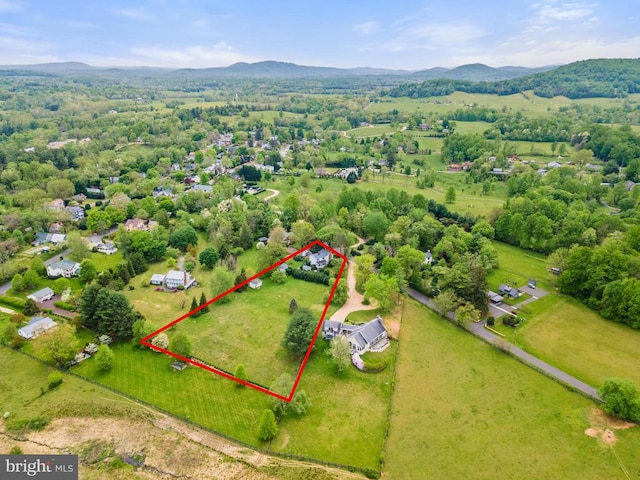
{"x": 65, "y": 306}
{"x": 12, "y": 301}
{"x": 314, "y": 277}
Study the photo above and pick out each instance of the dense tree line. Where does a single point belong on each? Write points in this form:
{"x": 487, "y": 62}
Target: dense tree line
{"x": 614, "y": 78}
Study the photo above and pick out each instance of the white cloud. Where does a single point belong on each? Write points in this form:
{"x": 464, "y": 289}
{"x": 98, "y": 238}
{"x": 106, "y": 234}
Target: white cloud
{"x": 554, "y": 12}
{"x": 134, "y": 13}
{"x": 195, "y": 56}
{"x": 432, "y": 36}
{"x": 7, "y": 6}
{"x": 366, "y": 28}
{"x": 559, "y": 51}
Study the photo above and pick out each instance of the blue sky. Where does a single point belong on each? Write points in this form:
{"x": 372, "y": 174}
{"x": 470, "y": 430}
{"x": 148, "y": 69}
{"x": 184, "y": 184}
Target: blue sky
{"x": 401, "y": 34}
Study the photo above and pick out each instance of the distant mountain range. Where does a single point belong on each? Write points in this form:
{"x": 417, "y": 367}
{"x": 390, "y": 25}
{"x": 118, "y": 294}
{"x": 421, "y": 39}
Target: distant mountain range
{"x": 275, "y": 70}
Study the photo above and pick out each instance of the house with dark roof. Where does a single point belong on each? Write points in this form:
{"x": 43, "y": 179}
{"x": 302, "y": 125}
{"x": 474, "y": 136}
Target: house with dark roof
{"x": 362, "y": 338}
{"x": 506, "y": 290}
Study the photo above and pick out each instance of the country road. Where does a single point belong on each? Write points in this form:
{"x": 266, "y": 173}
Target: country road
{"x": 479, "y": 330}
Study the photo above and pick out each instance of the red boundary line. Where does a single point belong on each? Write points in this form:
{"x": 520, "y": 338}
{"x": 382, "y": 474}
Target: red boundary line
{"x": 146, "y": 340}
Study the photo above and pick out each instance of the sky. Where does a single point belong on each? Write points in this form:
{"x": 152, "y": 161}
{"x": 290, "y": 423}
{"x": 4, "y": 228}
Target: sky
{"x": 399, "y": 34}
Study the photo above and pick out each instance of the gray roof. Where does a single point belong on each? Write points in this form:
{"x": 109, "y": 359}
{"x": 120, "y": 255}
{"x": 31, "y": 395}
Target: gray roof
{"x": 371, "y": 330}
{"x": 174, "y": 275}
{"x": 65, "y": 264}
{"x": 35, "y": 325}
{"x": 45, "y": 292}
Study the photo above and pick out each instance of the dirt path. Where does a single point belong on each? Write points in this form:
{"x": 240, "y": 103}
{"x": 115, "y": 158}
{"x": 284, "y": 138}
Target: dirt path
{"x": 273, "y": 195}
{"x": 7, "y": 310}
{"x": 354, "y": 303}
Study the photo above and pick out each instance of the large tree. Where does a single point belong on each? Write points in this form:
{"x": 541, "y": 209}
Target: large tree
{"x": 78, "y": 247}
{"x": 59, "y": 345}
{"x": 209, "y": 257}
{"x": 87, "y": 271}
{"x": 104, "y": 358}
{"x": 384, "y": 289}
{"x": 268, "y": 426}
{"x": 221, "y": 281}
{"x": 180, "y": 344}
{"x": 340, "y": 352}
{"x": 620, "y": 398}
{"x": 107, "y": 312}
{"x": 183, "y": 236}
{"x": 300, "y": 331}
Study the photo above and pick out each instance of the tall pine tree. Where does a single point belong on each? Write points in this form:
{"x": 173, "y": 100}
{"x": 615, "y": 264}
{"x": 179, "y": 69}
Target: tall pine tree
{"x": 194, "y": 305}
{"x": 203, "y": 300}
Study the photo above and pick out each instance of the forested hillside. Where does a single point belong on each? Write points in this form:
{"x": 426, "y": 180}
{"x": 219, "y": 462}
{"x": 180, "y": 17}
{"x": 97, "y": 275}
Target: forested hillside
{"x": 613, "y": 78}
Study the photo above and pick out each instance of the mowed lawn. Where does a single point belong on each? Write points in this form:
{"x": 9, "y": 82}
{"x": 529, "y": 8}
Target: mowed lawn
{"x": 516, "y": 266}
{"x": 578, "y": 340}
{"x": 248, "y": 329}
{"x": 463, "y": 409}
{"x": 23, "y": 378}
{"x": 353, "y": 437}
{"x": 563, "y": 331}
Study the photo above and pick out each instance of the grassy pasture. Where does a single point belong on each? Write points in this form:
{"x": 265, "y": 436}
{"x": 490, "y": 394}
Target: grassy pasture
{"x": 371, "y": 131}
{"x": 248, "y": 329}
{"x": 527, "y": 103}
{"x": 569, "y": 335}
{"x": 21, "y": 395}
{"x": 462, "y": 409}
{"x": 516, "y": 266}
{"x": 354, "y": 437}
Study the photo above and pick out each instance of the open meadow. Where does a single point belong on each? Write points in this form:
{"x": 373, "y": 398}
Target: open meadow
{"x": 248, "y": 329}
{"x": 463, "y": 409}
{"x": 526, "y": 102}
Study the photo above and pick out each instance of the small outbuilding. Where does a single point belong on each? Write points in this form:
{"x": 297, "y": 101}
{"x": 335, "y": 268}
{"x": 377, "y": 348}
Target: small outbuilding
{"x": 256, "y": 283}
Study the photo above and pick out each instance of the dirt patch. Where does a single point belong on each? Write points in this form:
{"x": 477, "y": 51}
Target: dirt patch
{"x": 169, "y": 448}
{"x": 599, "y": 418}
{"x": 603, "y": 426}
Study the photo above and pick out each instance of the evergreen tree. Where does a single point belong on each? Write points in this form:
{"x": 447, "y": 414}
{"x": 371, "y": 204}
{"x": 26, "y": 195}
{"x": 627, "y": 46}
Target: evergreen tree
{"x": 194, "y": 305}
{"x": 203, "y": 300}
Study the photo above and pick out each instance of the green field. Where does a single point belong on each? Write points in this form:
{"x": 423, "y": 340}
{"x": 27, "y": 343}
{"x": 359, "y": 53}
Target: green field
{"x": 561, "y": 330}
{"x": 576, "y": 339}
{"x": 354, "y": 437}
{"x": 371, "y": 131}
{"x": 21, "y": 393}
{"x": 516, "y": 266}
{"x": 462, "y": 409}
{"x": 528, "y": 103}
{"x": 248, "y": 329}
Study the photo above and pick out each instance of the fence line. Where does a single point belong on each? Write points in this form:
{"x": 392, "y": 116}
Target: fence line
{"x": 290, "y": 456}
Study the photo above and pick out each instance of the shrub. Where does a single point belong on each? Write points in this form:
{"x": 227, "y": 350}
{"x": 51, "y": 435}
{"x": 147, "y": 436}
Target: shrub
{"x": 55, "y": 379}
{"x": 12, "y": 301}
{"x": 314, "y": 277}
{"x": 131, "y": 287}
{"x": 510, "y": 321}
{"x": 65, "y": 306}
{"x": 491, "y": 321}
{"x": 16, "y": 450}
{"x": 371, "y": 473}
{"x": 25, "y": 424}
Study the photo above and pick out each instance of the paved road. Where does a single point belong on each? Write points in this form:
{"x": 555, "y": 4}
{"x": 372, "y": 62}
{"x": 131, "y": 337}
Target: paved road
{"x": 479, "y": 330}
